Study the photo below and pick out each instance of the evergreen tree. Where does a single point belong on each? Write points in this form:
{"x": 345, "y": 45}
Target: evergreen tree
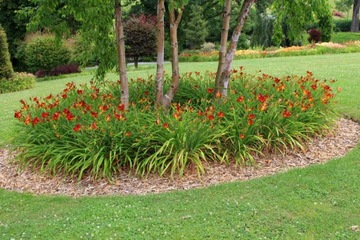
{"x": 196, "y": 28}
{"x": 6, "y": 68}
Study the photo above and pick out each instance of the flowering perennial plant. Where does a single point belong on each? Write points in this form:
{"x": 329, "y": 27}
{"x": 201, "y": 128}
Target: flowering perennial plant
{"x": 85, "y": 130}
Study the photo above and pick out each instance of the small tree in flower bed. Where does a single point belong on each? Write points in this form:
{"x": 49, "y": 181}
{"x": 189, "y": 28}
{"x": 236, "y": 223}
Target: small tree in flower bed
{"x": 85, "y": 130}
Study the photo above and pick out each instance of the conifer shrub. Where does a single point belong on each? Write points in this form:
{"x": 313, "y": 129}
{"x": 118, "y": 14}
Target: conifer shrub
{"x": 6, "y": 68}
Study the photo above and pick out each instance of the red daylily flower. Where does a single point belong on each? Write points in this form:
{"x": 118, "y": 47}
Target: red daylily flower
{"x": 56, "y": 116}
{"x": 77, "y": 127}
{"x": 35, "y": 121}
{"x": 17, "y": 115}
{"x": 240, "y": 99}
{"x": 286, "y": 114}
{"x": 45, "y": 114}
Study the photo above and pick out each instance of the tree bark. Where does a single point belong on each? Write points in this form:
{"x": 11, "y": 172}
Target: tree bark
{"x": 175, "y": 78}
{"x": 223, "y": 43}
{"x": 160, "y": 53}
{"x": 120, "y": 43}
{"x": 229, "y": 57}
{"x": 355, "y": 17}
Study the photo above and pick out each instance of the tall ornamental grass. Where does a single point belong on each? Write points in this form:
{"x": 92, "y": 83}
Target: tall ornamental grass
{"x": 85, "y": 130}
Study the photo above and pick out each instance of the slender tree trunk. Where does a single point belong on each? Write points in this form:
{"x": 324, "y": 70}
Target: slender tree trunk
{"x": 136, "y": 62}
{"x": 120, "y": 43}
{"x": 175, "y": 78}
{"x": 223, "y": 43}
{"x": 160, "y": 53}
{"x": 229, "y": 57}
{"x": 355, "y": 17}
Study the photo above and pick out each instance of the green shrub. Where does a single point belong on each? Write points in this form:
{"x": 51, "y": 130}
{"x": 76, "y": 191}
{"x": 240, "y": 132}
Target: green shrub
{"x": 326, "y": 26}
{"x": 6, "y": 68}
{"x": 19, "y": 82}
{"x": 342, "y": 25}
{"x": 45, "y": 53}
{"x": 85, "y": 130}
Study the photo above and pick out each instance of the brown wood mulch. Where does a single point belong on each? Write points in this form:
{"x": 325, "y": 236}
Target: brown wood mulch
{"x": 344, "y": 137}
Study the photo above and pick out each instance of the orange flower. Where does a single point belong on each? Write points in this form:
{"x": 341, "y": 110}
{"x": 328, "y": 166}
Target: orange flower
{"x": 286, "y": 114}
{"x": 210, "y": 90}
{"x": 79, "y": 91}
{"x": 119, "y": 117}
{"x": 240, "y": 99}
{"x": 220, "y": 115}
{"x": 242, "y": 136}
{"x": 211, "y": 117}
{"x": 314, "y": 86}
{"x": 165, "y": 125}
{"x": 177, "y": 116}
{"x": 27, "y": 119}
{"x": 77, "y": 127}
{"x": 93, "y": 126}
{"x": 127, "y": 134}
{"x": 218, "y": 95}
{"x": 103, "y": 108}
{"x": 263, "y": 107}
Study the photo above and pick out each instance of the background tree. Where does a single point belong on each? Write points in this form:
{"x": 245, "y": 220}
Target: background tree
{"x": 264, "y": 25}
{"x": 97, "y": 29}
{"x": 195, "y": 28}
{"x": 344, "y": 5}
{"x": 297, "y": 15}
{"x": 14, "y": 26}
{"x": 140, "y": 37}
{"x": 6, "y": 68}
{"x": 355, "y": 17}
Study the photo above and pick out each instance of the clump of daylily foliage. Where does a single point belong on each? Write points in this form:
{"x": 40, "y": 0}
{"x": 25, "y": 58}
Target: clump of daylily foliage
{"x": 85, "y": 130}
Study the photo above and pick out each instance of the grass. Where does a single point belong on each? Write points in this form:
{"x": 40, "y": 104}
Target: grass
{"x": 343, "y": 37}
{"x": 319, "y": 202}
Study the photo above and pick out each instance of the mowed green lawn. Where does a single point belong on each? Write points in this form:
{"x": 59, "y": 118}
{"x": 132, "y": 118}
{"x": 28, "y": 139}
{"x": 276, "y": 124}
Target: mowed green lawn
{"x": 319, "y": 202}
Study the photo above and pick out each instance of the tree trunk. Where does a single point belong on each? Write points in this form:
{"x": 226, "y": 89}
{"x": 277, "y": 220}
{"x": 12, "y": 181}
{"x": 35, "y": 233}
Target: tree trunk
{"x": 223, "y": 43}
{"x": 229, "y": 57}
{"x": 355, "y": 17}
{"x": 136, "y": 62}
{"x": 120, "y": 43}
{"x": 175, "y": 78}
{"x": 160, "y": 53}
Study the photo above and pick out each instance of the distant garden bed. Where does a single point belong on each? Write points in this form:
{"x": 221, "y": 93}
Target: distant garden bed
{"x": 313, "y": 49}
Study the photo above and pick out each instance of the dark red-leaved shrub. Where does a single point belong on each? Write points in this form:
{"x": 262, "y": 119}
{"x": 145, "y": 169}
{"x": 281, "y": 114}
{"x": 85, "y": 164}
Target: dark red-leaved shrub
{"x": 314, "y": 36}
{"x": 40, "y": 73}
{"x": 65, "y": 69}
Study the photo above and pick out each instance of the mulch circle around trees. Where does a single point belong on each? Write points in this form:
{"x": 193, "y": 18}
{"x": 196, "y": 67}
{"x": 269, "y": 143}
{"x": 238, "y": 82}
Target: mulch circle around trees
{"x": 344, "y": 137}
